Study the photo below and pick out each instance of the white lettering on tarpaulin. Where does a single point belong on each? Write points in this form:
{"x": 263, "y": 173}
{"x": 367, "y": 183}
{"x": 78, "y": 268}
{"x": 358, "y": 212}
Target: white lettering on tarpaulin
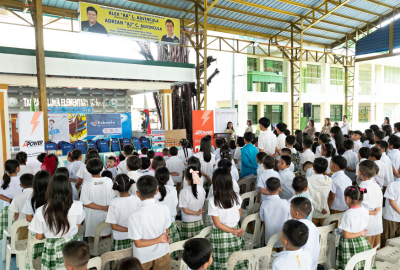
{"x": 203, "y": 133}
{"x": 99, "y": 123}
{"x": 68, "y": 102}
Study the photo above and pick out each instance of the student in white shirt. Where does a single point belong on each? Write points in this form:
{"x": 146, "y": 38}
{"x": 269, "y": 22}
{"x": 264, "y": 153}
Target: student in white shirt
{"x": 260, "y": 168}
{"x": 148, "y": 227}
{"x": 356, "y": 138}
{"x": 185, "y": 153}
{"x": 363, "y": 154}
{"x": 83, "y": 174}
{"x": 337, "y": 140}
{"x": 322, "y": 139}
{"x": 9, "y": 188}
{"x": 290, "y": 141}
{"x": 218, "y": 143}
{"x": 379, "y": 135}
{"x": 127, "y": 151}
{"x": 225, "y": 211}
{"x": 268, "y": 163}
{"x": 345, "y": 126}
{"x": 158, "y": 161}
{"x": 307, "y": 154}
{"x": 168, "y": 196}
{"x": 319, "y": 186}
{"x": 75, "y": 165}
{"x": 372, "y": 201}
{"x": 274, "y": 211}
{"x": 111, "y": 161}
{"x": 340, "y": 182}
{"x": 300, "y": 209}
{"x": 57, "y": 232}
{"x": 145, "y": 168}
{"x": 369, "y": 138}
{"x": 197, "y": 253}
{"x": 394, "y": 154}
{"x": 294, "y": 236}
{"x": 76, "y": 255}
{"x": 286, "y": 177}
{"x": 175, "y": 166}
{"x": 281, "y": 139}
{"x": 396, "y": 129}
{"x": 207, "y": 160}
{"x": 232, "y": 147}
{"x": 133, "y": 164}
{"x": 144, "y": 151}
{"x": 300, "y": 186}
{"x": 391, "y": 217}
{"x": 288, "y": 152}
{"x": 22, "y": 157}
{"x": 96, "y": 196}
{"x": 351, "y": 158}
{"x": 121, "y": 208}
{"x": 36, "y": 163}
{"x": 191, "y": 201}
{"x": 388, "y": 164}
{"x": 353, "y": 226}
{"x": 227, "y": 164}
{"x": 375, "y": 156}
{"x": 238, "y": 154}
{"x": 64, "y": 170}
{"x": 267, "y": 141}
{"x": 327, "y": 152}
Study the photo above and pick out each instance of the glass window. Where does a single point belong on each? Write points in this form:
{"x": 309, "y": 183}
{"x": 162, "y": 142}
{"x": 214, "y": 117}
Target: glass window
{"x": 311, "y": 79}
{"x": 316, "y": 113}
{"x": 313, "y": 71}
{"x": 336, "y": 113}
{"x": 252, "y": 64}
{"x": 273, "y": 66}
{"x": 392, "y": 75}
{"x": 274, "y": 113}
{"x": 252, "y": 113}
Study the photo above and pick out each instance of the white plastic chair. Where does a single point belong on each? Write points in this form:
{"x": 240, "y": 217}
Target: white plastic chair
{"x": 252, "y": 240}
{"x": 326, "y": 244}
{"x": 331, "y": 260}
{"x": 114, "y": 256}
{"x": 367, "y": 256}
{"x": 99, "y": 247}
{"x": 7, "y": 234}
{"x": 178, "y": 223}
{"x": 17, "y": 247}
{"x": 394, "y": 242}
{"x": 204, "y": 232}
{"x": 389, "y": 254}
{"x": 267, "y": 260}
{"x": 251, "y": 196}
{"x": 386, "y": 266}
{"x": 206, "y": 218}
{"x": 252, "y": 256}
{"x": 247, "y": 182}
{"x": 180, "y": 264}
{"x": 33, "y": 264}
{"x": 81, "y": 232}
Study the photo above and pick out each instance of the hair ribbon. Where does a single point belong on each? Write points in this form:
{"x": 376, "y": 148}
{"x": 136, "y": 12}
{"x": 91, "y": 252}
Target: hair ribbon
{"x": 362, "y": 190}
{"x": 351, "y": 188}
{"x": 324, "y": 146}
{"x": 195, "y": 176}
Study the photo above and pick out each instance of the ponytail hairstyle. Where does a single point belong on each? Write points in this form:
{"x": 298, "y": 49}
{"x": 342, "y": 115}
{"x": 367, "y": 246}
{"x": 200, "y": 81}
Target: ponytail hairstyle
{"x": 194, "y": 161}
{"x": 70, "y": 158}
{"x": 40, "y": 183}
{"x": 162, "y": 176}
{"x": 184, "y": 144}
{"x": 189, "y": 176}
{"x": 123, "y": 183}
{"x": 355, "y": 193}
{"x": 330, "y": 151}
{"x": 224, "y": 195}
{"x": 10, "y": 167}
{"x": 324, "y": 138}
{"x": 21, "y": 157}
{"x": 59, "y": 201}
{"x": 205, "y": 147}
{"x": 91, "y": 154}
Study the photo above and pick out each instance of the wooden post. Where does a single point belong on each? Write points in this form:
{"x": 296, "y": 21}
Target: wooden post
{"x": 37, "y": 17}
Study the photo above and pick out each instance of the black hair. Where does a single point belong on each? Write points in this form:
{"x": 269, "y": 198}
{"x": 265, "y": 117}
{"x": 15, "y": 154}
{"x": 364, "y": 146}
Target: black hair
{"x": 340, "y": 161}
{"x": 147, "y": 186}
{"x": 10, "y": 167}
{"x": 225, "y": 147}
{"x": 290, "y": 140}
{"x": 94, "y": 166}
{"x": 265, "y": 122}
{"x": 339, "y": 139}
{"x": 367, "y": 168}
{"x": 395, "y": 141}
{"x": 307, "y": 163}
{"x": 314, "y": 147}
{"x": 189, "y": 176}
{"x": 316, "y": 135}
{"x": 295, "y": 232}
{"x": 76, "y": 254}
{"x": 354, "y": 193}
{"x": 226, "y": 154}
{"x": 185, "y": 145}
{"x": 369, "y": 135}
{"x": 240, "y": 141}
{"x": 205, "y": 147}
{"x": 123, "y": 183}
{"x": 21, "y": 157}
{"x": 299, "y": 183}
{"x": 376, "y": 153}
{"x": 287, "y": 132}
{"x": 306, "y": 136}
{"x": 134, "y": 163}
{"x": 397, "y": 126}
{"x": 273, "y": 184}
{"x": 232, "y": 144}
{"x": 165, "y": 152}
{"x": 219, "y": 142}
{"x": 121, "y": 157}
{"x": 158, "y": 161}
{"x": 287, "y": 159}
{"x": 388, "y": 130}
{"x": 195, "y": 162}
{"x": 107, "y": 174}
{"x": 128, "y": 149}
{"x": 380, "y": 134}
{"x": 69, "y": 156}
{"x": 307, "y": 143}
{"x": 324, "y": 138}
{"x": 112, "y": 158}
{"x": 382, "y": 144}
{"x": 269, "y": 162}
{"x": 299, "y": 140}
{"x": 26, "y": 180}
{"x": 224, "y": 195}
{"x": 162, "y": 176}
{"x": 357, "y": 132}
{"x": 90, "y": 9}
{"x": 320, "y": 165}
{"x": 196, "y": 252}
{"x": 144, "y": 150}
{"x": 282, "y": 127}
{"x": 365, "y": 152}
{"x": 90, "y": 155}
{"x": 330, "y": 151}
{"x": 133, "y": 154}
{"x": 169, "y": 21}
{"x": 225, "y": 163}
{"x": 91, "y": 149}
{"x": 41, "y": 157}
{"x": 374, "y": 127}
{"x": 76, "y": 153}
{"x": 302, "y": 204}
{"x": 128, "y": 263}
{"x": 286, "y": 151}
{"x": 62, "y": 170}
{"x": 348, "y": 144}
{"x": 260, "y": 156}
{"x": 151, "y": 154}
{"x": 40, "y": 183}
{"x": 173, "y": 151}
{"x": 145, "y": 163}
{"x": 248, "y": 137}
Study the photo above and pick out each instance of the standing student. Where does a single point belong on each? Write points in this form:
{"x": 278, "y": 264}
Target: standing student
{"x": 268, "y": 163}
{"x": 369, "y": 138}
{"x": 191, "y": 201}
{"x": 111, "y": 161}
{"x": 340, "y": 181}
{"x": 307, "y": 154}
{"x": 158, "y": 161}
{"x": 218, "y": 143}
{"x": 274, "y": 211}
{"x": 327, "y": 152}
{"x": 379, "y": 135}
{"x": 165, "y": 153}
{"x": 36, "y": 163}
{"x": 148, "y": 227}
{"x": 83, "y": 174}
{"x": 232, "y": 147}
{"x": 9, "y": 188}
{"x": 248, "y": 154}
{"x": 207, "y": 160}
{"x": 121, "y": 208}
{"x": 197, "y": 253}
{"x": 375, "y": 156}
{"x": 351, "y": 158}
{"x": 388, "y": 164}
{"x": 281, "y": 139}
{"x": 175, "y": 166}
{"x": 22, "y": 158}
{"x": 127, "y": 151}
{"x": 73, "y": 169}
{"x": 345, "y": 126}
{"x": 57, "y": 221}
{"x": 337, "y": 140}
{"x": 388, "y": 132}
{"x": 299, "y": 140}
{"x": 322, "y": 139}
{"x": 133, "y": 164}
{"x": 64, "y": 170}
{"x": 185, "y": 153}
{"x": 76, "y": 255}
{"x": 238, "y": 154}
{"x": 224, "y": 207}
{"x": 372, "y": 202}
{"x": 394, "y": 153}
{"x": 363, "y": 154}
{"x": 260, "y": 167}
{"x": 391, "y": 217}
{"x": 227, "y": 164}
{"x": 96, "y": 196}
{"x": 356, "y": 138}
{"x": 290, "y": 141}
{"x": 267, "y": 141}
{"x": 286, "y": 176}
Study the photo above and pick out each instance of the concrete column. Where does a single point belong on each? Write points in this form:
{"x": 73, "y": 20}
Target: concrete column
{"x": 242, "y": 111}
{"x": 355, "y": 124}
{"x": 379, "y": 113}
{"x": 4, "y": 126}
{"x": 166, "y": 108}
{"x": 373, "y": 90}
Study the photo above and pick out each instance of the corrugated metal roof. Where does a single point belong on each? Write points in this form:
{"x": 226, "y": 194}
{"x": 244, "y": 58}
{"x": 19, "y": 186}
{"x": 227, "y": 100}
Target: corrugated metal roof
{"x": 222, "y": 15}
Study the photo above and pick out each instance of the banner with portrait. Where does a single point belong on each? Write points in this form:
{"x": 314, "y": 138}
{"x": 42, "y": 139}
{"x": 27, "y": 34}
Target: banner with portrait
{"x": 203, "y": 124}
{"x": 58, "y": 127}
{"x": 31, "y": 133}
{"x": 126, "y": 23}
{"x": 223, "y": 117}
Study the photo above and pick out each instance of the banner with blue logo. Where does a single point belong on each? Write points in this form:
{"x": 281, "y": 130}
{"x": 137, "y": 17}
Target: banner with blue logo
{"x": 78, "y": 110}
{"x": 103, "y": 124}
{"x": 58, "y": 127}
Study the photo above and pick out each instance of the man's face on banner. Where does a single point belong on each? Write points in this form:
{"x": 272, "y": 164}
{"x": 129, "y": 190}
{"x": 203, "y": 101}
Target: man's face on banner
{"x": 92, "y": 17}
{"x": 170, "y": 28}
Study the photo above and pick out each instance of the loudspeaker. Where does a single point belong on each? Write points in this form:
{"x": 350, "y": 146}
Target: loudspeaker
{"x": 307, "y": 110}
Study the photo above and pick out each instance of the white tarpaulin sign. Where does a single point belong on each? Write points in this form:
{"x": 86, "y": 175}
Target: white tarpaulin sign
{"x": 58, "y": 127}
{"x": 31, "y": 133}
{"x": 222, "y": 117}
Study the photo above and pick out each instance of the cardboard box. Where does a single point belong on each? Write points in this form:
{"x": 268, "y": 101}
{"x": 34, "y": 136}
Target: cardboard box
{"x": 177, "y": 134}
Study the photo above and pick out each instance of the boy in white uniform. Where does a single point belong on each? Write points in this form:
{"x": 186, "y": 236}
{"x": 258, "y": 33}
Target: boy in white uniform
{"x": 351, "y": 158}
{"x": 267, "y": 141}
{"x": 175, "y": 165}
{"x": 388, "y": 164}
{"x": 280, "y": 129}
{"x": 394, "y": 154}
{"x": 391, "y": 218}
{"x": 375, "y": 156}
{"x": 288, "y": 152}
{"x": 127, "y": 152}
{"x": 356, "y": 139}
{"x": 300, "y": 186}
{"x": 260, "y": 168}
{"x": 286, "y": 176}
{"x": 363, "y": 154}
{"x": 268, "y": 163}
{"x": 340, "y": 182}
{"x": 307, "y": 154}
{"x": 111, "y": 161}
{"x": 133, "y": 164}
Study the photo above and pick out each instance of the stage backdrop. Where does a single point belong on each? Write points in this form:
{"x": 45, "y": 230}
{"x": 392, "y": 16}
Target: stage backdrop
{"x": 103, "y": 124}
{"x": 58, "y": 127}
{"x": 31, "y": 133}
{"x": 203, "y": 124}
{"x": 126, "y": 123}
{"x": 222, "y": 117}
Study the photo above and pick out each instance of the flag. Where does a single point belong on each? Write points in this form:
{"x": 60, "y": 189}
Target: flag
{"x": 147, "y": 113}
{"x": 33, "y": 107}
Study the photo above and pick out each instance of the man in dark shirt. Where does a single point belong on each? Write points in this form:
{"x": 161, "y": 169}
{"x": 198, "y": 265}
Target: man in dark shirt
{"x": 91, "y": 25}
{"x": 170, "y": 37}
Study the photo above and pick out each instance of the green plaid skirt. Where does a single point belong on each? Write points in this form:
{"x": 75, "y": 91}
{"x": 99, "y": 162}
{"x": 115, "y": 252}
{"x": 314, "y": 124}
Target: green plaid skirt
{"x": 174, "y": 234}
{"x": 350, "y": 247}
{"x": 191, "y": 229}
{"x": 224, "y": 245}
{"x": 52, "y": 257}
{"x": 122, "y": 244}
{"x": 3, "y": 220}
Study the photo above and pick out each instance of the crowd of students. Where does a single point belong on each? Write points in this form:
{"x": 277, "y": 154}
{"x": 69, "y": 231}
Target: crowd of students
{"x": 301, "y": 178}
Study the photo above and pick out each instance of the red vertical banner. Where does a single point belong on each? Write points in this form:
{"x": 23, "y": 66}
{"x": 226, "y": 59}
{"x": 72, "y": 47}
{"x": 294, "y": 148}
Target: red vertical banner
{"x": 203, "y": 124}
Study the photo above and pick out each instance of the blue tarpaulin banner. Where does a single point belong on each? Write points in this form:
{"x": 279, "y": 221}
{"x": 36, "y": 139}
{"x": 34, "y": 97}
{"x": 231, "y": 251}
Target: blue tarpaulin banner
{"x": 79, "y": 110}
{"x": 103, "y": 124}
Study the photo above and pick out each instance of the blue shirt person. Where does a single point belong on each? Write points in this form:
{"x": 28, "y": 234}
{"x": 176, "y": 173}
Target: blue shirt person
{"x": 248, "y": 154}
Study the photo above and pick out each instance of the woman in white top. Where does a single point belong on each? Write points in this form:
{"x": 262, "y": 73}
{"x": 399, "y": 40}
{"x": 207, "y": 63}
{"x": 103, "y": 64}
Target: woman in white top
{"x": 327, "y": 152}
{"x": 57, "y": 221}
{"x": 207, "y": 160}
{"x": 168, "y": 195}
{"x": 9, "y": 188}
{"x": 224, "y": 207}
{"x": 83, "y": 174}
{"x": 185, "y": 153}
{"x": 191, "y": 201}
{"x": 22, "y": 158}
{"x": 121, "y": 209}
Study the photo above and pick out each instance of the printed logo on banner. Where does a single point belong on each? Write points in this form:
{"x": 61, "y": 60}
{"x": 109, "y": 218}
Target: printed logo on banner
{"x": 104, "y": 124}
{"x": 31, "y": 133}
{"x": 203, "y": 124}
{"x": 30, "y": 144}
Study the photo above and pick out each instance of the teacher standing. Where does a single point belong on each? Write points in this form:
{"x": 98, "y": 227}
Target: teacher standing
{"x": 249, "y": 127}
{"x": 229, "y": 129}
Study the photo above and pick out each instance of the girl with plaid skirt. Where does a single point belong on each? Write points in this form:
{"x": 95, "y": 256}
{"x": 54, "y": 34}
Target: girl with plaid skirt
{"x": 168, "y": 195}
{"x": 207, "y": 160}
{"x": 9, "y": 188}
{"x": 224, "y": 207}
{"x": 353, "y": 226}
{"x": 120, "y": 210}
{"x": 191, "y": 201}
{"x": 57, "y": 221}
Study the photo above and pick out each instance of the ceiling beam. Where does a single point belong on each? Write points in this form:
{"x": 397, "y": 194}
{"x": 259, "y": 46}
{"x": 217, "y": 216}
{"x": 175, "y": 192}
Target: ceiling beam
{"x": 380, "y": 3}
